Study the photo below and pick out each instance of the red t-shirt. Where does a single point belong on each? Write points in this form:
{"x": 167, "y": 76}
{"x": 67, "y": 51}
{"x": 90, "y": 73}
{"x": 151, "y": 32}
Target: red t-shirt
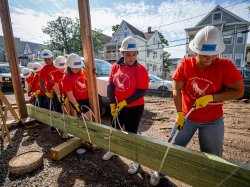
{"x": 47, "y": 75}
{"x": 77, "y": 83}
{"x": 127, "y": 79}
{"x": 58, "y": 78}
{"x": 35, "y": 85}
{"x": 30, "y": 79}
{"x": 199, "y": 82}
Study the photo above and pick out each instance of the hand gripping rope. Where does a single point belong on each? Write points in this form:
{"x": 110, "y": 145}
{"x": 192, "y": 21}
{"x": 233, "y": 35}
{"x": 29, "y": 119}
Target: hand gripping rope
{"x": 115, "y": 121}
{"x": 176, "y": 133}
{"x": 84, "y": 121}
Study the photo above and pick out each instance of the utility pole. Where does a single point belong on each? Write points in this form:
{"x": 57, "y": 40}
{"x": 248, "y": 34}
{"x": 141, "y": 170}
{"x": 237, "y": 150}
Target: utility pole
{"x": 12, "y": 58}
{"x": 87, "y": 43}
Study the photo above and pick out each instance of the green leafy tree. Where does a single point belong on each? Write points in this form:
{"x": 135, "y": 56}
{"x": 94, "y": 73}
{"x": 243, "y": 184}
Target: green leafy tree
{"x": 115, "y": 28}
{"x": 65, "y": 34}
{"x": 166, "y": 55}
{"x": 163, "y": 40}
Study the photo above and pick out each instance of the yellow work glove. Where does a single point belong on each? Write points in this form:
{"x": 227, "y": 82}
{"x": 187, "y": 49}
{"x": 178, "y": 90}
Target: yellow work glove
{"x": 59, "y": 98}
{"x": 77, "y": 107}
{"x": 113, "y": 110}
{"x": 36, "y": 93}
{"x": 203, "y": 101}
{"x": 49, "y": 95}
{"x": 121, "y": 105}
{"x": 180, "y": 120}
{"x": 65, "y": 101}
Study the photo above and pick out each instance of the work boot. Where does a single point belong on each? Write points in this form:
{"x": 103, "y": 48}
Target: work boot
{"x": 133, "y": 168}
{"x": 108, "y": 155}
{"x": 155, "y": 178}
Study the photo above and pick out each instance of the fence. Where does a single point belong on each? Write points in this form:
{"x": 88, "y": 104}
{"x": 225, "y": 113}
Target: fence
{"x": 246, "y": 77}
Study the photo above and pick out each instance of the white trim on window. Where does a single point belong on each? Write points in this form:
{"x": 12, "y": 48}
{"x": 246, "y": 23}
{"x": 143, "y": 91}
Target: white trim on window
{"x": 228, "y": 37}
{"x": 228, "y": 56}
{"x": 217, "y": 20}
{"x": 240, "y": 35}
{"x": 238, "y": 60}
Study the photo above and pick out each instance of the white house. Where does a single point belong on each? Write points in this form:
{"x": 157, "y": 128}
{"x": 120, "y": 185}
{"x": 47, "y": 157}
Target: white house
{"x": 150, "y": 47}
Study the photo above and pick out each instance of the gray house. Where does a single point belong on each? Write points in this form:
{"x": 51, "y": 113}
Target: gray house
{"x": 234, "y": 29}
{"x": 26, "y": 51}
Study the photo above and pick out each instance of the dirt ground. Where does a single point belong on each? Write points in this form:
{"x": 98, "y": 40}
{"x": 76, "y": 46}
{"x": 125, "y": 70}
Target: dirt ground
{"x": 90, "y": 170}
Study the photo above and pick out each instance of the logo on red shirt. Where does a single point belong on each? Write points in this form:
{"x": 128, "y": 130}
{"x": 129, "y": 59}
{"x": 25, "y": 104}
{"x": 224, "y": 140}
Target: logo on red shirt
{"x": 51, "y": 77}
{"x": 122, "y": 82}
{"x": 80, "y": 84}
{"x": 197, "y": 87}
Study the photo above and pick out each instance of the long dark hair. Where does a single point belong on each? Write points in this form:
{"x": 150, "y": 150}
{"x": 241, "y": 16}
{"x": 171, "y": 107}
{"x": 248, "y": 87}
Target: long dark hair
{"x": 70, "y": 73}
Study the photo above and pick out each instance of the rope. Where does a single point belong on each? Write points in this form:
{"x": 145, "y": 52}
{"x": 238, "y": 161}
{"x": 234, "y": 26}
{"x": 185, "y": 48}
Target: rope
{"x": 177, "y": 131}
{"x": 50, "y": 116}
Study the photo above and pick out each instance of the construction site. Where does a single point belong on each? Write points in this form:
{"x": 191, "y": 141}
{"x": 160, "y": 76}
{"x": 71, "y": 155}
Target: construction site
{"x": 31, "y": 156}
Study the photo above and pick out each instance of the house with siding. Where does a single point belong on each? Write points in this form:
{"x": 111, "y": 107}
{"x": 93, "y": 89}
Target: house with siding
{"x": 26, "y": 51}
{"x": 150, "y": 47}
{"x": 234, "y": 29}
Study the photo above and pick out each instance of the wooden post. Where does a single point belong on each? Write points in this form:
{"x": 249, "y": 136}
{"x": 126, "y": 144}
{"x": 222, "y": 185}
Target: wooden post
{"x": 87, "y": 43}
{"x": 12, "y": 58}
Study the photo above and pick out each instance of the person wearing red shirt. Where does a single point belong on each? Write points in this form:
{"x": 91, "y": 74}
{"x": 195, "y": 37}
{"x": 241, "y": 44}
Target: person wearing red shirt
{"x": 29, "y": 75}
{"x": 35, "y": 85}
{"x": 46, "y": 77}
{"x": 75, "y": 85}
{"x": 203, "y": 82}
{"x": 128, "y": 84}
{"x": 60, "y": 64}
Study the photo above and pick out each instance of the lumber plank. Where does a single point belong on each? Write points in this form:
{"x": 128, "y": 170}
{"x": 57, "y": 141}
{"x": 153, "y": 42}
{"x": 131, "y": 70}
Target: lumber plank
{"x": 65, "y": 148}
{"x": 7, "y": 103}
{"x": 191, "y": 167}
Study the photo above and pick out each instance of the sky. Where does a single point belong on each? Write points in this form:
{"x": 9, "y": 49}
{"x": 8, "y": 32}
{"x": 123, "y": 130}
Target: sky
{"x": 169, "y": 17}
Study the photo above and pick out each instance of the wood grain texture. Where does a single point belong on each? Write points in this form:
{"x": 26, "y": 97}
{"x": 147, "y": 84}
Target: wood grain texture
{"x": 191, "y": 167}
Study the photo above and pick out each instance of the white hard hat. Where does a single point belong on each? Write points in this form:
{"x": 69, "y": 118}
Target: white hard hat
{"x": 129, "y": 44}
{"x": 60, "y": 62}
{"x": 36, "y": 67}
{"x": 26, "y": 72}
{"x": 46, "y": 54}
{"x": 208, "y": 41}
{"x": 74, "y": 61}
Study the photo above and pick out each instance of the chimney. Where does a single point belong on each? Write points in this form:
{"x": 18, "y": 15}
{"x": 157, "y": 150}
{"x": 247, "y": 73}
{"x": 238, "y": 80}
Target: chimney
{"x": 149, "y": 29}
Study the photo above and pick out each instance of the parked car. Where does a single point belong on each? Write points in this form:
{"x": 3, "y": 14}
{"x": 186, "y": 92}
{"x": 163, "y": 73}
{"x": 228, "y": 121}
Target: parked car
{"x": 164, "y": 86}
{"x": 5, "y": 77}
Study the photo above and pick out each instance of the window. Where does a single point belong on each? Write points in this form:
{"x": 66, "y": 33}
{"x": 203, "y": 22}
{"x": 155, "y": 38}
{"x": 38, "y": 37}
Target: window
{"x": 228, "y": 56}
{"x": 148, "y": 53}
{"x": 238, "y": 59}
{"x": 240, "y": 38}
{"x": 154, "y": 68}
{"x": 155, "y": 55}
{"x": 217, "y": 17}
{"x": 227, "y": 38}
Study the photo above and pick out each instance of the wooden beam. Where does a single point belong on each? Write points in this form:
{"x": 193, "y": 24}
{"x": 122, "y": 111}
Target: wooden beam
{"x": 65, "y": 148}
{"x": 87, "y": 43}
{"x": 191, "y": 167}
{"x": 12, "y": 57}
{"x": 5, "y": 101}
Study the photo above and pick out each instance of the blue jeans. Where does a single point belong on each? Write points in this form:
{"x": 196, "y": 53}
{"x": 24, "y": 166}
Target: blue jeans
{"x": 211, "y": 135}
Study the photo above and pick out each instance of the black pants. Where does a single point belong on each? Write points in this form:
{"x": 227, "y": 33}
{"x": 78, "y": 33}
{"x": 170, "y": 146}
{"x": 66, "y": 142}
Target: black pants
{"x": 56, "y": 105}
{"x": 130, "y": 117}
{"x": 43, "y": 101}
